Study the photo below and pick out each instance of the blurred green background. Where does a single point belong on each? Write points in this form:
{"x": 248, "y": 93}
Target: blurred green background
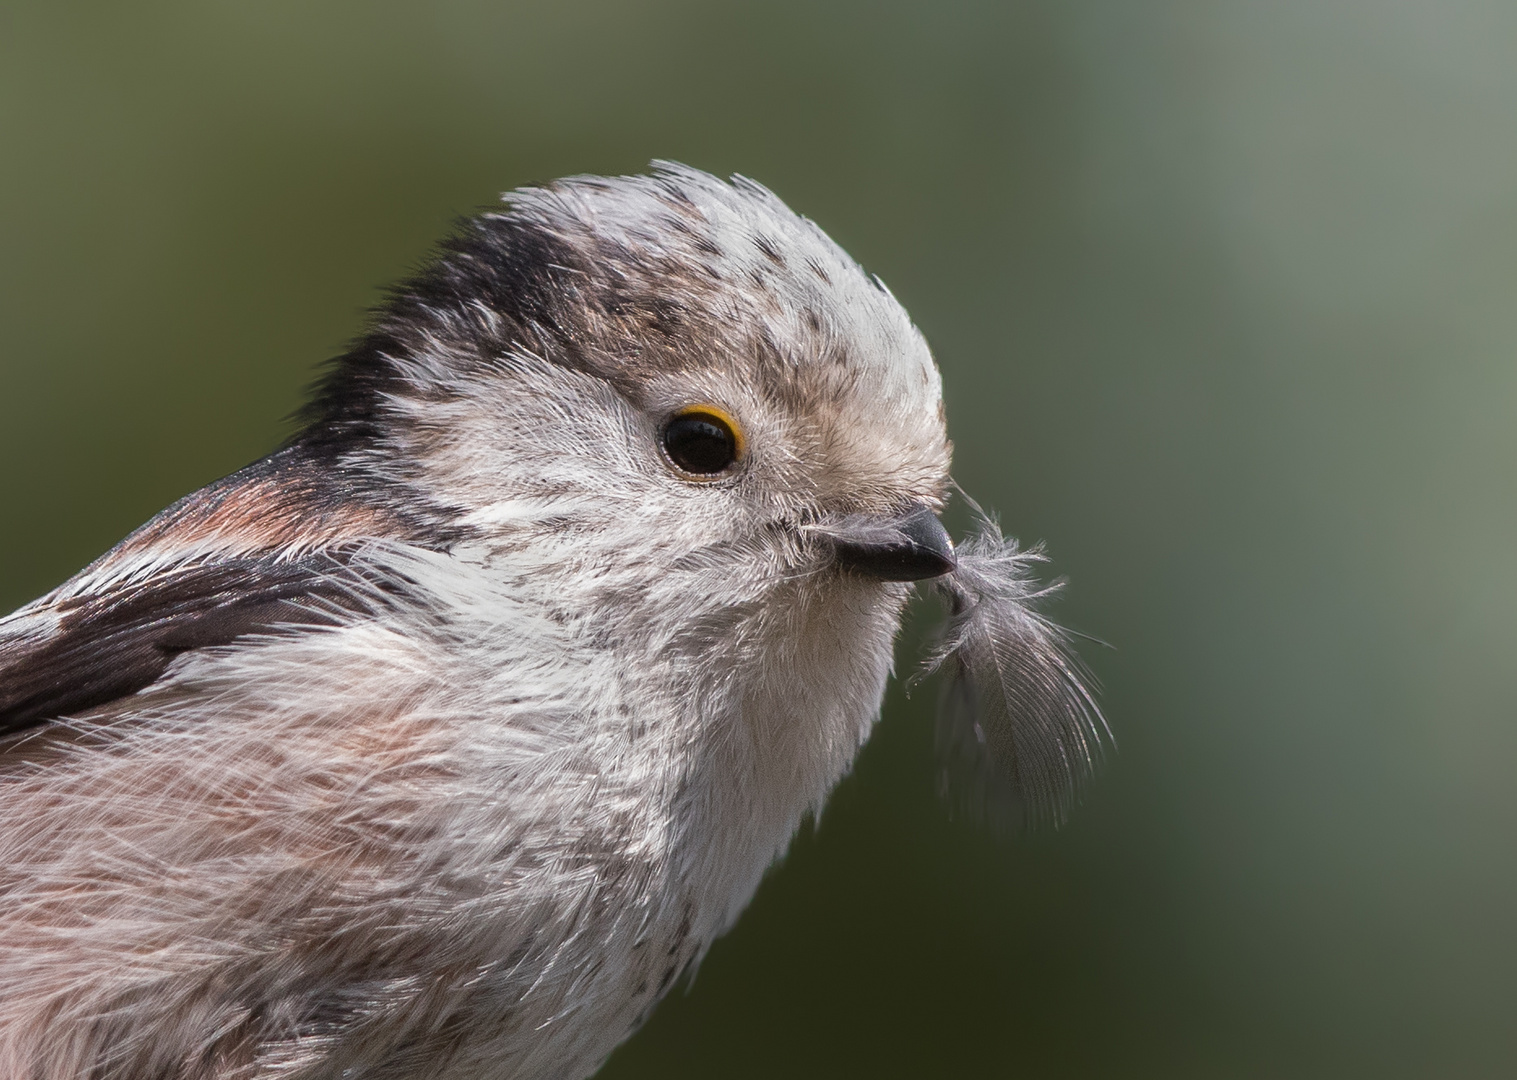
{"x": 1223, "y": 294}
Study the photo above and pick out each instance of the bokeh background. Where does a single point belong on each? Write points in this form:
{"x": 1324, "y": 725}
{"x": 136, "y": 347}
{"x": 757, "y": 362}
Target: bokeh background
{"x": 1223, "y": 294}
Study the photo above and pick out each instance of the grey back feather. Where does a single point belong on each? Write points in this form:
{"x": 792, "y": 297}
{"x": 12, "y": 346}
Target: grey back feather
{"x": 1019, "y": 730}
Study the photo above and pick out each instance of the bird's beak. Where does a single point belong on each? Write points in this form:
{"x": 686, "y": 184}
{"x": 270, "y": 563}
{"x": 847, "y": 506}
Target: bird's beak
{"x": 909, "y": 547}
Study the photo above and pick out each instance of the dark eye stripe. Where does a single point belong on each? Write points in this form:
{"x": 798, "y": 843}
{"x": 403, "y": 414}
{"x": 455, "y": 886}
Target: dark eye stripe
{"x": 700, "y": 442}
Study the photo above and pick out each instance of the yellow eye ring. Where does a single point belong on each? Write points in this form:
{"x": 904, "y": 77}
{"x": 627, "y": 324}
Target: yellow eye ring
{"x": 702, "y": 441}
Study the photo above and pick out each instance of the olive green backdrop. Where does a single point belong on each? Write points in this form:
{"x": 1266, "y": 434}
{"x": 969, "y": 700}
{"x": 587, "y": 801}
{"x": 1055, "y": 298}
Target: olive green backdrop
{"x": 1223, "y": 296}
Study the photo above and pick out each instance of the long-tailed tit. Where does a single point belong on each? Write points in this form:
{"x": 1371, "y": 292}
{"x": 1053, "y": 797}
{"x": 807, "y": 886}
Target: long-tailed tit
{"x": 439, "y": 742}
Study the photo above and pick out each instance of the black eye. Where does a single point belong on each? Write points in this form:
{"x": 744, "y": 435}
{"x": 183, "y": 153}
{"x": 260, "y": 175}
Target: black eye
{"x": 701, "y": 441}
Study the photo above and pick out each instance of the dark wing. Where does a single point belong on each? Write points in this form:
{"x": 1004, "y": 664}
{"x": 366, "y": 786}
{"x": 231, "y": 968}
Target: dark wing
{"x": 105, "y": 636}
{"x": 278, "y": 544}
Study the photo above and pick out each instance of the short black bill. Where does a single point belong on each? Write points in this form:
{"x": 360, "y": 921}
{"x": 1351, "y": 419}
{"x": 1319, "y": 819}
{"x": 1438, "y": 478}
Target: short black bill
{"x": 912, "y": 547}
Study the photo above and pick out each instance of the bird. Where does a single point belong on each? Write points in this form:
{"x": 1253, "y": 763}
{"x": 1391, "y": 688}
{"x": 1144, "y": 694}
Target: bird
{"x": 441, "y": 741}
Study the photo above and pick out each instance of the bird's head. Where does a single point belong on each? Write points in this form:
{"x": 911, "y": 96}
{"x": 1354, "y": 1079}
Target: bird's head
{"x": 688, "y": 420}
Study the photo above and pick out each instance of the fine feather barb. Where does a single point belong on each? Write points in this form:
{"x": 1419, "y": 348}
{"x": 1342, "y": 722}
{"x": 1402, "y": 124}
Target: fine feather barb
{"x": 1019, "y": 731}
